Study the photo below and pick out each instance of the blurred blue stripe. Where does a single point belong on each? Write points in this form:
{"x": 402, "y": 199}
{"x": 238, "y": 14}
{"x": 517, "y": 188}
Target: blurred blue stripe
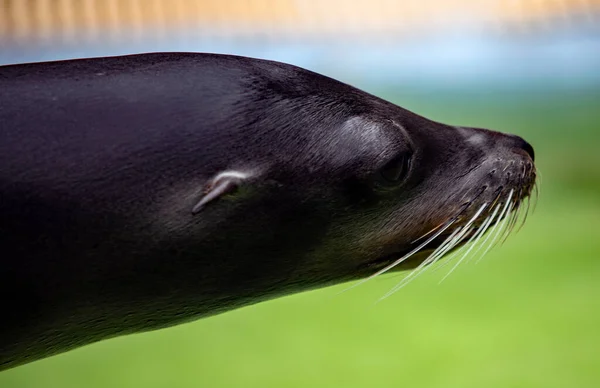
{"x": 564, "y": 58}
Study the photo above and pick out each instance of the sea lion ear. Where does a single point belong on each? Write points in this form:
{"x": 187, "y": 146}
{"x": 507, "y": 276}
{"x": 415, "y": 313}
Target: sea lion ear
{"x": 223, "y": 183}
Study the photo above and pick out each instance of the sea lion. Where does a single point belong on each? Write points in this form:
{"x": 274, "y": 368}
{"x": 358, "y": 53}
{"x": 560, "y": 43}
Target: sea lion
{"x": 140, "y": 192}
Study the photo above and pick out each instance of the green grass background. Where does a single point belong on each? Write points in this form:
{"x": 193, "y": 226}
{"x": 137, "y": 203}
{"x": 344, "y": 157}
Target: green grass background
{"x": 528, "y": 315}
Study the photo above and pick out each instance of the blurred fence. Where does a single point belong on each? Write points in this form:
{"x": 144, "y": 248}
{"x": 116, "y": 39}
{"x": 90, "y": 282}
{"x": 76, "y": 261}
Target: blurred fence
{"x": 73, "y": 21}
{"x": 399, "y": 43}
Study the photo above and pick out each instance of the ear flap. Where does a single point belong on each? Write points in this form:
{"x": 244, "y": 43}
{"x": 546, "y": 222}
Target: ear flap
{"x": 224, "y": 183}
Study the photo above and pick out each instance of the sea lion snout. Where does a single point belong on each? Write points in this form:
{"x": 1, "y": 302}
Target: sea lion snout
{"x": 501, "y": 175}
{"x": 518, "y": 143}
{"x": 503, "y": 162}
{"x": 494, "y": 139}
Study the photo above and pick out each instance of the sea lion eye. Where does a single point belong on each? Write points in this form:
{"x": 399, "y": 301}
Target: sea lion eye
{"x": 396, "y": 170}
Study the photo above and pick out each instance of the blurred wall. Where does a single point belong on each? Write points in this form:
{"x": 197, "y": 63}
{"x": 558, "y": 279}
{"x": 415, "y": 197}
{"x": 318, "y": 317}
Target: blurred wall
{"x": 452, "y": 43}
{"x": 71, "y": 21}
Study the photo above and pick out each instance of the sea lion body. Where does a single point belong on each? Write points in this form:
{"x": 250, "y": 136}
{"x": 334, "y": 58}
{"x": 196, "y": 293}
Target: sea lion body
{"x": 143, "y": 191}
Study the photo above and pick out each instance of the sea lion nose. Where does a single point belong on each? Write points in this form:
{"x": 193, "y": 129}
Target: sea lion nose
{"x": 517, "y": 142}
{"x": 480, "y": 136}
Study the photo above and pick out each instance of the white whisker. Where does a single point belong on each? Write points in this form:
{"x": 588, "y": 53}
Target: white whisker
{"x": 471, "y": 246}
{"x": 501, "y": 223}
{"x": 525, "y": 215}
{"x": 498, "y": 225}
{"x": 486, "y": 228}
{"x": 448, "y": 242}
{"x": 454, "y": 239}
{"x": 474, "y": 239}
{"x": 449, "y": 258}
{"x": 511, "y": 216}
{"x": 428, "y": 233}
{"x": 536, "y": 190}
{"x": 403, "y": 258}
{"x": 457, "y": 240}
{"x": 505, "y": 227}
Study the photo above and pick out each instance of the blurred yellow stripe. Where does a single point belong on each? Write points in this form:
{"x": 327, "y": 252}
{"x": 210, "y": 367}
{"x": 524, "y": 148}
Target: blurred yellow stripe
{"x": 72, "y": 19}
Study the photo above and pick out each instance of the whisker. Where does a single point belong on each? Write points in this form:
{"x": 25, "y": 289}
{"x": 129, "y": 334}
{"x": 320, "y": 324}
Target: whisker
{"x": 427, "y": 234}
{"x": 500, "y": 226}
{"x": 505, "y": 221}
{"x": 489, "y": 225}
{"x": 403, "y": 258}
{"x": 474, "y": 238}
{"x": 455, "y": 238}
{"x": 537, "y": 186}
{"x": 494, "y": 230}
{"x": 513, "y": 216}
{"x": 537, "y": 196}
{"x": 478, "y": 236}
{"x": 538, "y": 174}
{"x": 465, "y": 231}
{"x": 525, "y": 215}
{"x": 471, "y": 246}
{"x": 449, "y": 258}
{"x": 465, "y": 207}
{"x": 510, "y": 223}
{"x": 446, "y": 245}
{"x": 519, "y": 209}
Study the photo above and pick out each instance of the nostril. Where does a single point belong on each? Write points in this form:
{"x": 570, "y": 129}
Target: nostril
{"x": 529, "y": 149}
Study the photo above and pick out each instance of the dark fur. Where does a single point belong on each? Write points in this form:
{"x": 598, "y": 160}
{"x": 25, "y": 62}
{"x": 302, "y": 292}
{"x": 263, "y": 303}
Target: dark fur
{"x": 102, "y": 160}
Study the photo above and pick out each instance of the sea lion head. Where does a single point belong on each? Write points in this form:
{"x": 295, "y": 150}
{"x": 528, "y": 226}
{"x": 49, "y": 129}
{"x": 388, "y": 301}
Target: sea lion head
{"x": 343, "y": 185}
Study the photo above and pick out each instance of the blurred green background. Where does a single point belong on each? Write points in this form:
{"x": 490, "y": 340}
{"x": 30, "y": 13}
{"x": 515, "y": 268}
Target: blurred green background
{"x": 528, "y": 315}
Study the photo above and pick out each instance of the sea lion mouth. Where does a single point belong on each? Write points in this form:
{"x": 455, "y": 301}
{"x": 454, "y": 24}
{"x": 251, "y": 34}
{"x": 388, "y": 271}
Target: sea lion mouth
{"x": 465, "y": 234}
